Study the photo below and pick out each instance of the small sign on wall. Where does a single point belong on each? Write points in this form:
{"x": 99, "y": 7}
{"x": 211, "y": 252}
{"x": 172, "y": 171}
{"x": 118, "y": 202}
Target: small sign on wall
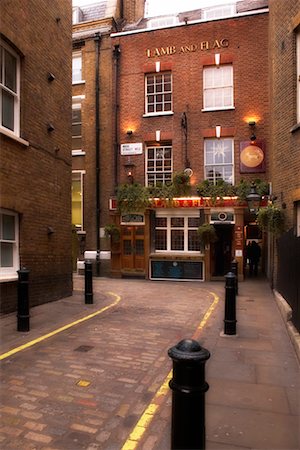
{"x": 132, "y": 149}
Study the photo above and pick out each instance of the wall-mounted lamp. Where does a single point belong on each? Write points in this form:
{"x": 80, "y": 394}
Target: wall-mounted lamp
{"x": 217, "y": 59}
{"x": 252, "y": 124}
{"x": 129, "y": 132}
{"x": 253, "y": 199}
{"x": 50, "y": 127}
{"x": 218, "y": 131}
{"x": 129, "y": 170}
{"x": 157, "y": 66}
{"x": 157, "y": 135}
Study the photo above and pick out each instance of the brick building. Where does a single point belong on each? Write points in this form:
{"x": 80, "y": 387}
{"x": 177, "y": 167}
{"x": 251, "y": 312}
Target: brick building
{"x": 284, "y": 253}
{"x": 35, "y": 157}
{"x": 191, "y": 100}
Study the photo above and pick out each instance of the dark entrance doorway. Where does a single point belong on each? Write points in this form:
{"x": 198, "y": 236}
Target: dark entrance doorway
{"x": 221, "y": 250}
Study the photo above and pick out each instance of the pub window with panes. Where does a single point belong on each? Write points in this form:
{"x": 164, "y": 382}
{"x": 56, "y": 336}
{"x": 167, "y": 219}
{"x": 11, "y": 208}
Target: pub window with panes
{"x": 159, "y": 165}
{"x": 177, "y": 234}
{"x": 158, "y": 93}
{"x": 218, "y": 157}
{"x": 9, "y": 89}
{"x": 218, "y": 87}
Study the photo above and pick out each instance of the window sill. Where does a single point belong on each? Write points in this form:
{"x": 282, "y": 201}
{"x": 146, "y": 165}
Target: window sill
{"x": 11, "y": 135}
{"x": 78, "y": 82}
{"x": 295, "y": 128}
{"x": 165, "y": 113}
{"x": 227, "y": 108}
{"x": 6, "y": 278}
{"x": 169, "y": 254}
{"x": 78, "y": 153}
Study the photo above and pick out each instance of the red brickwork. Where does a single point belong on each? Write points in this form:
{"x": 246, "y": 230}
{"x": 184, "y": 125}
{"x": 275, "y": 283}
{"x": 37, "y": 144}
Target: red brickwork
{"x": 36, "y": 180}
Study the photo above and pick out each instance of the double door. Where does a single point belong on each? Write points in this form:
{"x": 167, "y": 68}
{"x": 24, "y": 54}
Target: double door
{"x": 133, "y": 248}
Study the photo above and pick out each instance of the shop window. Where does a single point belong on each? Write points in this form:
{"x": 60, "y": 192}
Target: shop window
{"x": 9, "y": 89}
{"x": 218, "y": 87}
{"x": 177, "y": 234}
{"x": 76, "y": 129}
{"x": 159, "y": 165}
{"x": 9, "y": 244}
{"x": 77, "y": 67}
{"x": 158, "y": 93}
{"x": 77, "y": 200}
{"x": 218, "y": 157}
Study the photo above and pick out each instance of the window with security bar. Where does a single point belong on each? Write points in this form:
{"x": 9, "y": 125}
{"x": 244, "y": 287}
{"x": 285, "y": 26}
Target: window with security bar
{"x": 218, "y": 157}
{"x": 158, "y": 93}
{"x": 159, "y": 165}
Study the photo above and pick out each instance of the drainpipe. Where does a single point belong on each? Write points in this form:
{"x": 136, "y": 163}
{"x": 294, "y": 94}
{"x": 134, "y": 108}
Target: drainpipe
{"x": 97, "y": 40}
{"x": 116, "y": 54}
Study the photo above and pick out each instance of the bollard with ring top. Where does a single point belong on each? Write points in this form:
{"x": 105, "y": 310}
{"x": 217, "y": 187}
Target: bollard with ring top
{"x": 230, "y": 304}
{"x": 23, "y": 300}
{"x": 88, "y": 272}
{"x": 188, "y": 398}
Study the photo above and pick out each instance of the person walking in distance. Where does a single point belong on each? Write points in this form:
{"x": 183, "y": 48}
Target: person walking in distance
{"x": 254, "y": 256}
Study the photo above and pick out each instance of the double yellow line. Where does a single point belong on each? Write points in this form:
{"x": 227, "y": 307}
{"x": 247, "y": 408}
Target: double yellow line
{"x": 148, "y": 415}
{"x": 59, "y": 330}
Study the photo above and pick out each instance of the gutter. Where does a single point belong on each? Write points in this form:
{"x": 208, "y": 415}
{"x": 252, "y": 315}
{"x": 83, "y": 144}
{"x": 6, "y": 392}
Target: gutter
{"x": 97, "y": 40}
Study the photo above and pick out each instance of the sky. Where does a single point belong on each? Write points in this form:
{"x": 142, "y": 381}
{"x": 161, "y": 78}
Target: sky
{"x": 159, "y": 7}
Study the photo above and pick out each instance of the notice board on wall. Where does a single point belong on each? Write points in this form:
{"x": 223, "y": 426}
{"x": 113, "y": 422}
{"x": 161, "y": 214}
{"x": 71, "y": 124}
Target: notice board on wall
{"x": 176, "y": 270}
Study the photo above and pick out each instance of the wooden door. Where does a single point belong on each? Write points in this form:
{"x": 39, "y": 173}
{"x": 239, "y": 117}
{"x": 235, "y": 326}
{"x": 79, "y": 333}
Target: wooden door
{"x": 132, "y": 248}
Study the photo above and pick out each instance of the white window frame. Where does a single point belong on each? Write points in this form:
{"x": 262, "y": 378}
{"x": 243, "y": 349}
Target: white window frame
{"x": 162, "y": 22}
{"x": 82, "y": 174}
{"x": 298, "y": 72}
{"x": 156, "y": 93}
{"x": 77, "y": 79}
{"x": 10, "y": 273}
{"x": 218, "y": 12}
{"x": 77, "y": 105}
{"x": 16, "y": 95}
{"x": 166, "y": 174}
{"x": 217, "y": 90}
{"x": 221, "y": 164}
{"x": 186, "y": 214}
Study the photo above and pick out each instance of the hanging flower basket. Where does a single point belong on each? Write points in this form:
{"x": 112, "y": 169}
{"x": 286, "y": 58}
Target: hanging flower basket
{"x": 113, "y": 232}
{"x": 271, "y": 219}
{"x": 207, "y": 233}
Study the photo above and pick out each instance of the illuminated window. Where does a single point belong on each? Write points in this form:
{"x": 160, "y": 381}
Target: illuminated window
{"x": 77, "y": 200}
{"x": 158, "y": 93}
{"x": 9, "y": 243}
{"x": 218, "y": 87}
{"x": 177, "y": 233}
{"x": 218, "y": 160}
{"x": 159, "y": 165}
{"x": 9, "y": 89}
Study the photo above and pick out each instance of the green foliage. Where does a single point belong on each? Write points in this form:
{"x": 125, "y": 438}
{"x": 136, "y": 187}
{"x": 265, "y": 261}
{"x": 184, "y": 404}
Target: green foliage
{"x": 220, "y": 189}
{"x": 272, "y": 219}
{"x": 242, "y": 189}
{"x": 207, "y": 233}
{"x": 181, "y": 184}
{"x": 113, "y": 231}
{"x": 132, "y": 198}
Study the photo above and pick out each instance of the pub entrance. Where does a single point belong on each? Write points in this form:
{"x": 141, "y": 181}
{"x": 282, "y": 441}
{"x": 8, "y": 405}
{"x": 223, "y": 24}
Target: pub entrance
{"x": 132, "y": 249}
{"x": 221, "y": 250}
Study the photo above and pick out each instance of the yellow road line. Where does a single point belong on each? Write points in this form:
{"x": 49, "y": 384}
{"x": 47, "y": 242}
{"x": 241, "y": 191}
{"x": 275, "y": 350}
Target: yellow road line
{"x": 59, "y": 330}
{"x": 149, "y": 413}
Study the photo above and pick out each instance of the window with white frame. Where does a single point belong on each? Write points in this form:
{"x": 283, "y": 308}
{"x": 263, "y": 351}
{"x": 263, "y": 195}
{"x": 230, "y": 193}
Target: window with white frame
{"x": 9, "y": 243}
{"x": 159, "y": 165}
{"x": 158, "y": 89}
{"x": 298, "y": 73}
{"x": 218, "y": 87}
{"x": 77, "y": 67}
{"x": 77, "y": 199}
{"x": 177, "y": 233}
{"x": 218, "y": 160}
{"x": 219, "y": 11}
{"x": 76, "y": 129}
{"x": 9, "y": 89}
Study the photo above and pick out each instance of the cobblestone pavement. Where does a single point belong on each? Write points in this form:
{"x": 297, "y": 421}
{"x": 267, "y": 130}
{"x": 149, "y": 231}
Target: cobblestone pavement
{"x": 87, "y": 386}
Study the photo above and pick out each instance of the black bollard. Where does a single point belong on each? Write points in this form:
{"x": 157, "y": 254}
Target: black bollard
{"x": 23, "y": 300}
{"x": 188, "y": 398}
{"x": 88, "y": 272}
{"x": 230, "y": 313}
{"x": 234, "y": 269}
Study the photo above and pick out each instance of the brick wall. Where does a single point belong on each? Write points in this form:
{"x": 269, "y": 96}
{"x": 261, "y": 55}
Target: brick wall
{"x": 37, "y": 181}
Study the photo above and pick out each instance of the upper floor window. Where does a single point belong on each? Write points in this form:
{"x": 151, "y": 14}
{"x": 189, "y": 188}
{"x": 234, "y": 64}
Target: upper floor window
{"x": 218, "y": 87}
{"x": 9, "y": 243}
{"x": 298, "y": 74}
{"x": 77, "y": 67}
{"x": 159, "y": 165}
{"x": 158, "y": 93}
{"x": 76, "y": 128}
{"x": 219, "y": 11}
{"x": 9, "y": 89}
{"x": 218, "y": 160}
{"x": 161, "y": 22}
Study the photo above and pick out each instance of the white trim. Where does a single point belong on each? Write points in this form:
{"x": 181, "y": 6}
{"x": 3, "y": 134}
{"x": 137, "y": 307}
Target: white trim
{"x": 223, "y": 108}
{"x": 78, "y": 153}
{"x": 78, "y": 97}
{"x": 78, "y": 82}
{"x": 11, "y": 135}
{"x": 192, "y": 22}
{"x": 163, "y": 113}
